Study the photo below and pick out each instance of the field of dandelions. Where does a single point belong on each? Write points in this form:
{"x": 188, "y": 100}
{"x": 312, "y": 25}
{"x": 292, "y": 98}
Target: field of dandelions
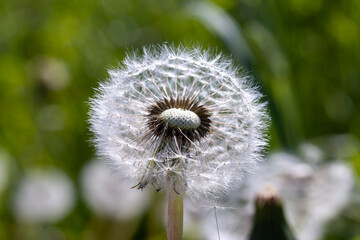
{"x": 303, "y": 57}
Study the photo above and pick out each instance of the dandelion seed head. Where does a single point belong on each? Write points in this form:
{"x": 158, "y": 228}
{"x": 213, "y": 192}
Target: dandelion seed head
{"x": 43, "y": 196}
{"x": 181, "y": 112}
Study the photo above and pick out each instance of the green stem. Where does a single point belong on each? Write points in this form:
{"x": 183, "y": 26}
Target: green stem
{"x": 175, "y": 213}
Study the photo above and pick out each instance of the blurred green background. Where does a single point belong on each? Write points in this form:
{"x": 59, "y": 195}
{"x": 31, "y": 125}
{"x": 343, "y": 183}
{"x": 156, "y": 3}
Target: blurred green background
{"x": 304, "y": 54}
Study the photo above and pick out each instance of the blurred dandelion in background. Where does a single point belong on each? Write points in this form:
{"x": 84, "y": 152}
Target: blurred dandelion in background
{"x": 49, "y": 72}
{"x": 312, "y": 192}
{"x": 43, "y": 196}
{"x": 107, "y": 196}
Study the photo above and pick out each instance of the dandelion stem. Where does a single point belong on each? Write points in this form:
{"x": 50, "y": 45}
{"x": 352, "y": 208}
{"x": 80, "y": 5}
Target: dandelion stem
{"x": 175, "y": 213}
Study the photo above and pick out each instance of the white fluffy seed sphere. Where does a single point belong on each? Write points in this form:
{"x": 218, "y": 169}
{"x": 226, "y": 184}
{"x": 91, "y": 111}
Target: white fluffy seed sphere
{"x": 183, "y": 113}
{"x": 43, "y": 196}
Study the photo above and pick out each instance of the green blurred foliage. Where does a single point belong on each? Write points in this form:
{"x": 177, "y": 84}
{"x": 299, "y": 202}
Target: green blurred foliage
{"x": 304, "y": 54}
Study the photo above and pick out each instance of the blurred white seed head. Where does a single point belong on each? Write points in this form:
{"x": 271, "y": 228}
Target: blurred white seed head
{"x": 52, "y": 73}
{"x": 43, "y": 196}
{"x": 312, "y": 194}
{"x": 183, "y": 113}
{"x": 312, "y": 153}
{"x": 107, "y": 196}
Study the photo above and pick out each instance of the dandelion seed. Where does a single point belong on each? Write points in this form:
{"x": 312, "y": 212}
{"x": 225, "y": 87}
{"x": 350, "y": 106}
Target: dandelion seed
{"x": 180, "y": 116}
